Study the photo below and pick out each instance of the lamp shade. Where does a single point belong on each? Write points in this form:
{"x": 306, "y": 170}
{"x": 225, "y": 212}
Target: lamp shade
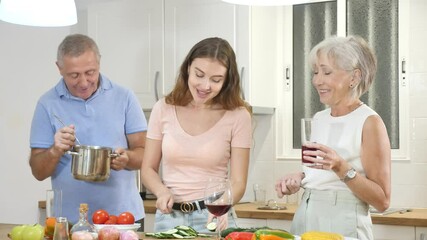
{"x": 272, "y": 2}
{"x": 43, "y": 13}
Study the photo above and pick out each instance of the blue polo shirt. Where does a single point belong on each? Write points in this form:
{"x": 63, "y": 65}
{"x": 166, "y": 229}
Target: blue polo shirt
{"x": 104, "y": 120}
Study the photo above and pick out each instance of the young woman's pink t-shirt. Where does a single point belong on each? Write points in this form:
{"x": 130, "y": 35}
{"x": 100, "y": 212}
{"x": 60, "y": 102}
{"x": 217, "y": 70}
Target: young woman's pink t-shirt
{"x": 189, "y": 161}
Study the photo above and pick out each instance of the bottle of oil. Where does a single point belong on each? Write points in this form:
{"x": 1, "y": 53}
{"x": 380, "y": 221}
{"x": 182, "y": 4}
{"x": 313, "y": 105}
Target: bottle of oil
{"x": 83, "y": 223}
{"x": 61, "y": 229}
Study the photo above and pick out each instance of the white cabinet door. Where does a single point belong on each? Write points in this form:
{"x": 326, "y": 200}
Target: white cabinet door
{"x": 279, "y": 224}
{"x": 265, "y": 51}
{"x": 250, "y": 223}
{"x": 149, "y": 222}
{"x": 420, "y": 233}
{"x": 189, "y": 21}
{"x": 129, "y": 34}
{"x": 252, "y": 32}
{"x": 389, "y": 232}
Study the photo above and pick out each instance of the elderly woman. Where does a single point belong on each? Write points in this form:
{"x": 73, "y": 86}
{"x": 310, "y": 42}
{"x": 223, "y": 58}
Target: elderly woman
{"x": 352, "y": 157}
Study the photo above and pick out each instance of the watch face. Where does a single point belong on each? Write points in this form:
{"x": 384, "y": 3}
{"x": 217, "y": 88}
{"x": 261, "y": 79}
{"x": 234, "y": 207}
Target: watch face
{"x": 351, "y": 173}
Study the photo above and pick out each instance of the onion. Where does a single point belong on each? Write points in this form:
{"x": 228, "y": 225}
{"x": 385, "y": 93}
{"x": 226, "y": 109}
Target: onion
{"x": 129, "y": 235}
{"x": 108, "y": 233}
{"x": 82, "y": 235}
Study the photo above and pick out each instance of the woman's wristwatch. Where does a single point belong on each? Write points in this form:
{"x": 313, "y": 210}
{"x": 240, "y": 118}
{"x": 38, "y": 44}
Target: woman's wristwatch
{"x": 351, "y": 173}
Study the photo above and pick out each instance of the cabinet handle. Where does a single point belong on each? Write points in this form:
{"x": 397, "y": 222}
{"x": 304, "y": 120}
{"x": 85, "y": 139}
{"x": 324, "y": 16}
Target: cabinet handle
{"x": 403, "y": 66}
{"x": 403, "y": 72}
{"x": 156, "y": 78}
{"x": 287, "y": 78}
{"x": 242, "y": 82}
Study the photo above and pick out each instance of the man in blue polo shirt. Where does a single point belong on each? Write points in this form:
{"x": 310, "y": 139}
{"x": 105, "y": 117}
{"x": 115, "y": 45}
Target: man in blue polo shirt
{"x": 100, "y": 113}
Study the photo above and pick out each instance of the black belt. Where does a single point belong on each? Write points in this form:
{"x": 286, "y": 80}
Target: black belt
{"x": 188, "y": 207}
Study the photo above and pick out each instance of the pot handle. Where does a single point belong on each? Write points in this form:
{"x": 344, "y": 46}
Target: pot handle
{"x": 72, "y": 153}
{"x": 113, "y": 155}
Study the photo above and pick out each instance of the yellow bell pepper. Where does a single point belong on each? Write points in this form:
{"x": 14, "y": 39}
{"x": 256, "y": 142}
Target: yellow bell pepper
{"x": 272, "y": 234}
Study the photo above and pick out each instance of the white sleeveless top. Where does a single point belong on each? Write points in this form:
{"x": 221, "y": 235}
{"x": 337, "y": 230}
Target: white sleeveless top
{"x": 344, "y": 135}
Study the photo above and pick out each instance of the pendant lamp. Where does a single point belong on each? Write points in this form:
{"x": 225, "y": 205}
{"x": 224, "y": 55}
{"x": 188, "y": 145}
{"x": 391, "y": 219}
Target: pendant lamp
{"x": 272, "y": 2}
{"x": 42, "y": 13}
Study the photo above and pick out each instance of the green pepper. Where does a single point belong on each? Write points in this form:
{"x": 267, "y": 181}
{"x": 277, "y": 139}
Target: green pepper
{"x": 272, "y": 234}
{"x": 239, "y": 236}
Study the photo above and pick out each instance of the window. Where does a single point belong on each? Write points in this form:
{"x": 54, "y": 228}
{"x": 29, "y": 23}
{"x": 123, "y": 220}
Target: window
{"x": 376, "y": 21}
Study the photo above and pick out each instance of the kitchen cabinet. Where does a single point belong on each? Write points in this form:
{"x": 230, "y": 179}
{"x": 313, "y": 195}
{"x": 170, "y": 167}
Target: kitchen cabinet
{"x": 392, "y": 232}
{"x": 250, "y": 223}
{"x": 129, "y": 34}
{"x": 279, "y": 224}
{"x": 381, "y": 232}
{"x": 149, "y": 222}
{"x": 420, "y": 233}
{"x": 143, "y": 43}
{"x": 251, "y": 31}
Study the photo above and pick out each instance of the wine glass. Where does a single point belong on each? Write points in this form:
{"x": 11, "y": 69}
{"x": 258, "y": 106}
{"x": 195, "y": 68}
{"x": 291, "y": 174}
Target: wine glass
{"x": 218, "y": 198}
{"x": 306, "y": 125}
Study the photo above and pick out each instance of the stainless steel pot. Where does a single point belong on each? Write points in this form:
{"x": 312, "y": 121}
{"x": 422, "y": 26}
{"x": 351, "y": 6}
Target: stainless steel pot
{"x": 91, "y": 163}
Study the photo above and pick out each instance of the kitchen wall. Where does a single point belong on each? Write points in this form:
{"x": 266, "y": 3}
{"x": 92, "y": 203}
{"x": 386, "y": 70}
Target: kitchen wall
{"x": 27, "y": 70}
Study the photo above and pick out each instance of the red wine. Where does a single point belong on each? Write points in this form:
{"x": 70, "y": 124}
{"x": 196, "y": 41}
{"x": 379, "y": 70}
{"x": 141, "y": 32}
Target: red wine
{"x": 304, "y": 148}
{"x": 218, "y": 210}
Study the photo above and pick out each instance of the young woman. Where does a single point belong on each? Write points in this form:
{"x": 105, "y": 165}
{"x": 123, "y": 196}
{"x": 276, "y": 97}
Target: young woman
{"x": 201, "y": 130}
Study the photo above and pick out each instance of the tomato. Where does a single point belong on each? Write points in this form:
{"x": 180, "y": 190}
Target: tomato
{"x": 111, "y": 220}
{"x": 125, "y": 218}
{"x": 100, "y": 216}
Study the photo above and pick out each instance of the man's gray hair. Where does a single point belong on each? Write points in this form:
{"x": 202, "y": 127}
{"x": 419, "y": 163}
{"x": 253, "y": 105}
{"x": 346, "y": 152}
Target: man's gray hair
{"x": 75, "y": 45}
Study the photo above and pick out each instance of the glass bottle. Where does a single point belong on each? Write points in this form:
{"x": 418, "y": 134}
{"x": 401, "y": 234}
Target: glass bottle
{"x": 61, "y": 229}
{"x": 83, "y": 223}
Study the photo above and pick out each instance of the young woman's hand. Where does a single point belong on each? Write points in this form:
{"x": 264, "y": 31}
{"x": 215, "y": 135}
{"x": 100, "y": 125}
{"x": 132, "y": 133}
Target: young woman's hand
{"x": 165, "y": 201}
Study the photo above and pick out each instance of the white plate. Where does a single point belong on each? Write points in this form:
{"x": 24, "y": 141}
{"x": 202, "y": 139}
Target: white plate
{"x": 120, "y": 227}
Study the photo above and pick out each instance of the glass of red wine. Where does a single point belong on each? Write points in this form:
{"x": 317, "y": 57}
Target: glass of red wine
{"x": 218, "y": 198}
{"x": 306, "y": 124}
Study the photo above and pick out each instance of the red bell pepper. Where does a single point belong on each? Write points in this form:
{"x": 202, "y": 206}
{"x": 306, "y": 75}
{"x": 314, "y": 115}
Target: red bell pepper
{"x": 239, "y": 236}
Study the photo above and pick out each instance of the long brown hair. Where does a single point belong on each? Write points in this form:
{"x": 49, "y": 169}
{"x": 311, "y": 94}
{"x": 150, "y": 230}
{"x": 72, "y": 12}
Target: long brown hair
{"x": 219, "y": 49}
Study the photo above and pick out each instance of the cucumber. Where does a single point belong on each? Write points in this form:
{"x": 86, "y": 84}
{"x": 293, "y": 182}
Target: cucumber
{"x": 177, "y": 235}
{"x": 170, "y": 232}
{"x": 182, "y": 227}
{"x": 211, "y": 226}
{"x": 183, "y": 233}
{"x": 203, "y": 235}
{"x": 179, "y": 232}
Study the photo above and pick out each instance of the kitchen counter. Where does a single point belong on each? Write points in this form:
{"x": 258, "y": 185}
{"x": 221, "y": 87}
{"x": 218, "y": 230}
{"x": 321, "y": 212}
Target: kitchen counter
{"x": 415, "y": 217}
{"x": 5, "y": 229}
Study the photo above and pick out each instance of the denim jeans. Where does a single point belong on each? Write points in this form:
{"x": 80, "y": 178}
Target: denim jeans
{"x": 196, "y": 219}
